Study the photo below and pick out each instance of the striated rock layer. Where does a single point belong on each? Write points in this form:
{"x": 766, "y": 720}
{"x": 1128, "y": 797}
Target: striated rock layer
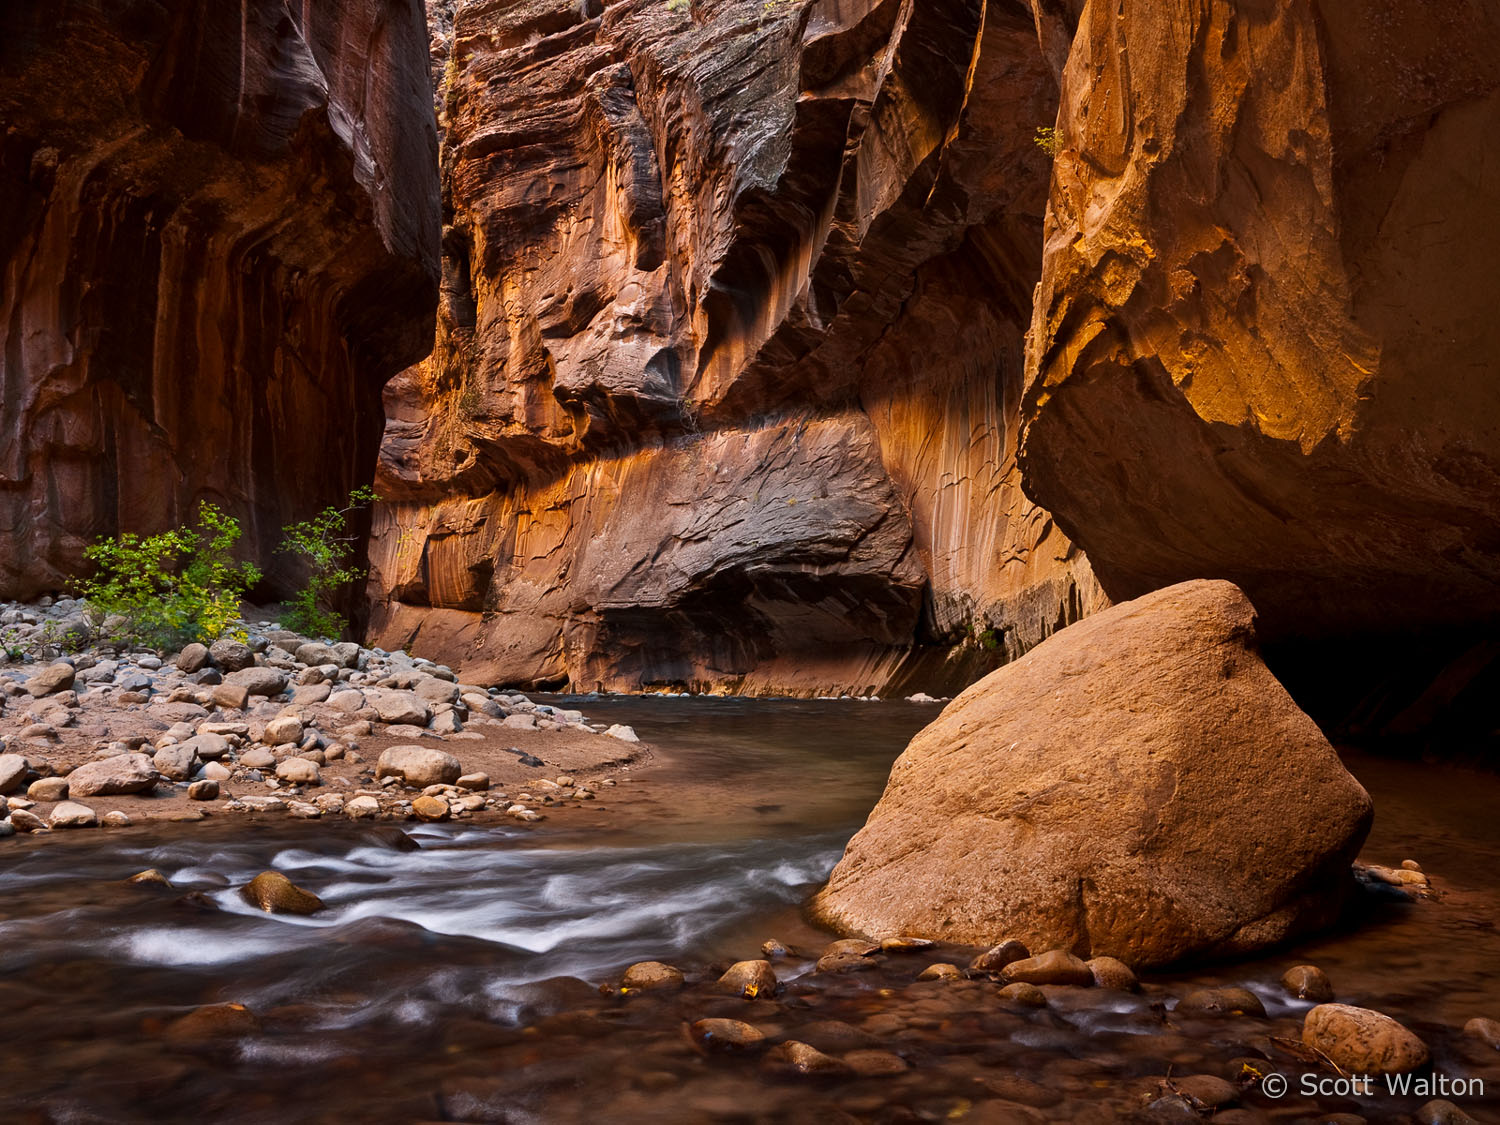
{"x": 218, "y": 235}
{"x": 728, "y": 371}
{"x": 1139, "y": 786}
{"x": 1265, "y": 340}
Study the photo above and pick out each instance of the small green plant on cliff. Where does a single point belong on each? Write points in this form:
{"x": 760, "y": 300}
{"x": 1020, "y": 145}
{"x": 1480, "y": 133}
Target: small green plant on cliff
{"x": 324, "y": 543}
{"x": 173, "y": 587}
{"x": 1046, "y": 140}
{"x": 677, "y": 6}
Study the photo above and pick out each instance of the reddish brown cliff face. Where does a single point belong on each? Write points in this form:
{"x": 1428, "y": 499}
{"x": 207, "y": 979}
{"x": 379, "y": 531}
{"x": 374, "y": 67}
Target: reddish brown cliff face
{"x": 1264, "y": 342}
{"x": 729, "y": 359}
{"x": 218, "y": 232}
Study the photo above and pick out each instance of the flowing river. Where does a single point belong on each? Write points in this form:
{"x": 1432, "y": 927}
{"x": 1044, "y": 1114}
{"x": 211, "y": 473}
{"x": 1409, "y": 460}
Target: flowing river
{"x": 454, "y": 974}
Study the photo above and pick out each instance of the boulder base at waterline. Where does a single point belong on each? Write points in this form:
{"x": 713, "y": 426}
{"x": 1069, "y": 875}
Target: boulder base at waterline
{"x": 1138, "y": 786}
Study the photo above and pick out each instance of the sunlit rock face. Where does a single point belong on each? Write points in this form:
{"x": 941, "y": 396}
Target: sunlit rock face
{"x": 1265, "y": 337}
{"x": 729, "y": 361}
{"x": 219, "y": 236}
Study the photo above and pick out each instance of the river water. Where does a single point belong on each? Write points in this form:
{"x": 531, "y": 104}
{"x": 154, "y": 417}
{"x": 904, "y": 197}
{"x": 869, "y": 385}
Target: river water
{"x": 454, "y": 975}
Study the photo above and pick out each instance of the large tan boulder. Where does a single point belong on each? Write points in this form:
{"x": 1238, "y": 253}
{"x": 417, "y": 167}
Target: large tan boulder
{"x": 1139, "y": 786}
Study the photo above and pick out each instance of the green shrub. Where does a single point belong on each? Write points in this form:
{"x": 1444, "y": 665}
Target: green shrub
{"x": 323, "y": 543}
{"x": 174, "y": 587}
{"x": 1046, "y": 140}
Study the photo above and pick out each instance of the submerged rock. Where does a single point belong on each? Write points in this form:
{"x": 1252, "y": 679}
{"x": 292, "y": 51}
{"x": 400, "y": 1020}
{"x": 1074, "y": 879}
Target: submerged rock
{"x": 1138, "y": 786}
{"x": 726, "y": 1037}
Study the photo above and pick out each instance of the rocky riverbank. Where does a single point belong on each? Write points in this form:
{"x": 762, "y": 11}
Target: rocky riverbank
{"x": 99, "y": 734}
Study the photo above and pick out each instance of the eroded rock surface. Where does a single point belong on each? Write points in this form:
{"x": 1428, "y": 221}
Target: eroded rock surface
{"x": 1139, "y": 786}
{"x": 729, "y": 361}
{"x": 218, "y": 238}
{"x": 1264, "y": 341}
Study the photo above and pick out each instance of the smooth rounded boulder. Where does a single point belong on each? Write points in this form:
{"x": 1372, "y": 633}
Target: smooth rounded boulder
{"x": 418, "y": 766}
{"x": 1361, "y": 1041}
{"x": 123, "y": 773}
{"x": 1138, "y": 786}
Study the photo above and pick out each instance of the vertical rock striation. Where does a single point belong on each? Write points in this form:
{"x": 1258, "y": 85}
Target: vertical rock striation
{"x": 1264, "y": 341}
{"x": 729, "y": 360}
{"x": 218, "y": 236}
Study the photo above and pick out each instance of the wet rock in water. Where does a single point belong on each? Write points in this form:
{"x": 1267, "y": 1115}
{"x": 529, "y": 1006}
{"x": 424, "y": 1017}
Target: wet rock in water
{"x": 1207, "y": 1090}
{"x": 773, "y": 949}
{"x": 905, "y": 945}
{"x": 431, "y": 809}
{"x": 24, "y": 820}
{"x": 726, "y": 1037}
{"x": 845, "y": 963}
{"x": 230, "y": 655}
{"x": 151, "y": 876}
{"x": 1362, "y": 1041}
{"x": 1023, "y": 1091}
{"x": 648, "y": 976}
{"x": 855, "y": 947}
{"x": 995, "y": 958}
{"x": 205, "y": 790}
{"x": 418, "y": 766}
{"x": 70, "y": 814}
{"x": 47, "y": 789}
{"x": 1146, "y": 752}
{"x": 749, "y": 979}
{"x": 1395, "y": 876}
{"x": 212, "y": 1021}
{"x": 116, "y": 819}
{"x": 1024, "y": 993}
{"x": 794, "y": 1057}
{"x": 1056, "y": 966}
{"x": 255, "y": 681}
{"x": 53, "y": 678}
{"x": 1308, "y": 982}
{"x": 1109, "y": 972}
{"x": 274, "y": 893}
{"x": 1440, "y": 1111}
{"x": 193, "y": 658}
{"x": 477, "y": 782}
{"x": 299, "y": 771}
{"x": 875, "y": 1064}
{"x": 13, "y": 771}
{"x": 1487, "y": 1031}
{"x": 176, "y": 762}
{"x": 941, "y": 971}
{"x": 1170, "y": 1110}
{"x": 1227, "y": 1001}
{"x": 7, "y": 829}
{"x": 122, "y": 773}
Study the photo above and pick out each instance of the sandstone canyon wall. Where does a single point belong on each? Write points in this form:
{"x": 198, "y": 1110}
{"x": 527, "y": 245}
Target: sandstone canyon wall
{"x": 729, "y": 365}
{"x": 1265, "y": 339}
{"x": 218, "y": 235}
